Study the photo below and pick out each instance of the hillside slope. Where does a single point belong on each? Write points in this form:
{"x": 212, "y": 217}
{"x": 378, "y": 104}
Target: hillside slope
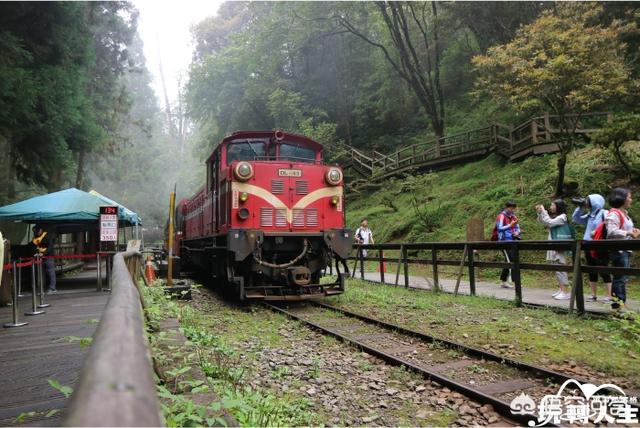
{"x": 436, "y": 206}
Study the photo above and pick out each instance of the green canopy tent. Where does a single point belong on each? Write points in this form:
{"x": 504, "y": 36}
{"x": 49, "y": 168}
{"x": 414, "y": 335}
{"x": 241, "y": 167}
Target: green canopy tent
{"x": 70, "y": 210}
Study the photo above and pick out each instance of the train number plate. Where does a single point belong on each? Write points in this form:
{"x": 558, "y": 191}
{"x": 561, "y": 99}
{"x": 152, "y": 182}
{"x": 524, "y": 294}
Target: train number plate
{"x": 290, "y": 173}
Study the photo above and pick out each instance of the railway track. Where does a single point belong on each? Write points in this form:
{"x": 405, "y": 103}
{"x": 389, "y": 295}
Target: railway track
{"x": 482, "y": 376}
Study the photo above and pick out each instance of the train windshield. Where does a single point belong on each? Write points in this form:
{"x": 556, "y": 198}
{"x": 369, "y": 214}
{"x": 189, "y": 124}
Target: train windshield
{"x": 246, "y": 150}
{"x": 296, "y": 153}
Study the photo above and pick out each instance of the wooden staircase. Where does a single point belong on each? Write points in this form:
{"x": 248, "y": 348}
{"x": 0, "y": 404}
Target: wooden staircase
{"x": 535, "y": 136}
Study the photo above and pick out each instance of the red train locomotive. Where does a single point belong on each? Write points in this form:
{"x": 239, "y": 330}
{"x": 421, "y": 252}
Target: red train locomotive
{"x": 269, "y": 219}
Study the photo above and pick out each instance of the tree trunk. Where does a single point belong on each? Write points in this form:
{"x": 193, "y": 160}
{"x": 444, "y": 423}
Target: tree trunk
{"x": 8, "y": 195}
{"x": 618, "y": 155}
{"x": 562, "y": 162}
{"x": 80, "y": 171}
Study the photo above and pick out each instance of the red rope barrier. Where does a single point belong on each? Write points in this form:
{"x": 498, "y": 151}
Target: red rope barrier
{"x": 28, "y": 261}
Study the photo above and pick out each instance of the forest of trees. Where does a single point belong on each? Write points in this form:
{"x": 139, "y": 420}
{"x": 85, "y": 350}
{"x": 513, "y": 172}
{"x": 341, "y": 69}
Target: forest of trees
{"x": 77, "y": 108}
{"x": 377, "y": 75}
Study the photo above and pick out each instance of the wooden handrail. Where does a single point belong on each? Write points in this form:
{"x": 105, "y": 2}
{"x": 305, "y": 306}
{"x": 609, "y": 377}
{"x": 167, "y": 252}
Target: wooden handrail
{"x": 532, "y": 132}
{"x": 116, "y": 386}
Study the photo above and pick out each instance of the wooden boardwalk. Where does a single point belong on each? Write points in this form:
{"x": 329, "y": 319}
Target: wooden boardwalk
{"x": 535, "y": 136}
{"x": 42, "y": 350}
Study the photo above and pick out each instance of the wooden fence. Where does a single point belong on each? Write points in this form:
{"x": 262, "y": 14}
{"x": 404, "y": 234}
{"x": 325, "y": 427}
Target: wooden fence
{"x": 516, "y": 265}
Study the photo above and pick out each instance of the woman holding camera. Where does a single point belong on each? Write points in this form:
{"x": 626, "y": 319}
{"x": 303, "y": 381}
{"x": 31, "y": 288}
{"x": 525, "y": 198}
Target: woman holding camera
{"x": 556, "y": 221}
{"x": 620, "y": 226}
{"x": 594, "y": 215}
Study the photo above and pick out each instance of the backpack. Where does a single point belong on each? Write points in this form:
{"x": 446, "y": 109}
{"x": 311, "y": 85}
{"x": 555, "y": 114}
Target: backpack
{"x": 600, "y": 233}
{"x": 563, "y": 232}
{"x": 494, "y": 233}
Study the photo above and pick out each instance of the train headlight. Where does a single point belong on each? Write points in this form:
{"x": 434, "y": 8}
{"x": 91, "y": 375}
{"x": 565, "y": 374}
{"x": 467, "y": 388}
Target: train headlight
{"x": 335, "y": 200}
{"x": 244, "y": 196}
{"x": 333, "y": 176}
{"x": 243, "y": 213}
{"x": 243, "y": 171}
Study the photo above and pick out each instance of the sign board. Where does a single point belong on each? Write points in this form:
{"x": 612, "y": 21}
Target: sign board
{"x": 475, "y": 229}
{"x": 108, "y": 224}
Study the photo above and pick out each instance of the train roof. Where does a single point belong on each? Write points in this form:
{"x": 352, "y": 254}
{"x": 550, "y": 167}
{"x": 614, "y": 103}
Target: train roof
{"x": 289, "y": 137}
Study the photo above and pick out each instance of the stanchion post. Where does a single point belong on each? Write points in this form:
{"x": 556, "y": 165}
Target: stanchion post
{"x": 361, "y": 263}
{"x": 41, "y": 280}
{"x": 14, "y": 300}
{"x": 20, "y": 281}
{"x": 34, "y": 304}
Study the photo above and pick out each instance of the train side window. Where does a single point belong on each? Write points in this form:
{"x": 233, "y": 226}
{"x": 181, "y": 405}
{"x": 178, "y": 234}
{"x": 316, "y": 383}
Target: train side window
{"x": 245, "y": 150}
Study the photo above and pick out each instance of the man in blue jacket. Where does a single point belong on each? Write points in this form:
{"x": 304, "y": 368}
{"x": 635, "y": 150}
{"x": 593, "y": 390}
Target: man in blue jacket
{"x": 508, "y": 230}
{"x": 591, "y": 213}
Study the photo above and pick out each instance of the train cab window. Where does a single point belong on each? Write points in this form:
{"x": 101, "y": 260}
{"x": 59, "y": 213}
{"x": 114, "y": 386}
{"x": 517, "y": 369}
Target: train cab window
{"x": 246, "y": 150}
{"x": 296, "y": 152}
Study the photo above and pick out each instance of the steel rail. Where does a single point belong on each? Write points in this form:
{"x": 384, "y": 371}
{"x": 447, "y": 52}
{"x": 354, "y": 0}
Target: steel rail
{"x": 539, "y": 372}
{"x": 536, "y": 370}
{"x": 503, "y": 408}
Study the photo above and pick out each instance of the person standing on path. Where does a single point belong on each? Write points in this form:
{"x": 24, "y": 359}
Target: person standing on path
{"x": 620, "y": 226}
{"x": 508, "y": 230}
{"x": 364, "y": 235}
{"x": 594, "y": 215}
{"x": 44, "y": 246}
{"x": 559, "y": 228}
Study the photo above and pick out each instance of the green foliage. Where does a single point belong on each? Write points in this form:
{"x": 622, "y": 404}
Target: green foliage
{"x": 618, "y": 134}
{"x": 59, "y": 94}
{"x": 561, "y": 62}
{"x": 84, "y": 340}
{"x": 63, "y": 389}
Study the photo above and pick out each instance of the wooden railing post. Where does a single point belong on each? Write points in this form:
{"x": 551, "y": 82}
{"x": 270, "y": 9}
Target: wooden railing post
{"x": 361, "y": 263}
{"x": 381, "y": 258}
{"x": 399, "y": 263}
{"x": 472, "y": 272}
{"x": 577, "y": 292}
{"x": 515, "y": 272}
{"x": 437, "y": 147}
{"x": 434, "y": 263}
{"x": 355, "y": 263}
{"x": 534, "y": 131}
{"x": 406, "y": 267}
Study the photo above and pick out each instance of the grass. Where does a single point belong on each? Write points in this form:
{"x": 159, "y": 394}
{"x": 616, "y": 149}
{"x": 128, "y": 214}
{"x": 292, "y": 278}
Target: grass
{"x": 214, "y": 333}
{"x": 534, "y": 335}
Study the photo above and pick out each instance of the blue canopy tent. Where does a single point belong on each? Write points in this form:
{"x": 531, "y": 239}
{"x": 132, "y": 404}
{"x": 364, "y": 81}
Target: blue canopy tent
{"x": 70, "y": 205}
